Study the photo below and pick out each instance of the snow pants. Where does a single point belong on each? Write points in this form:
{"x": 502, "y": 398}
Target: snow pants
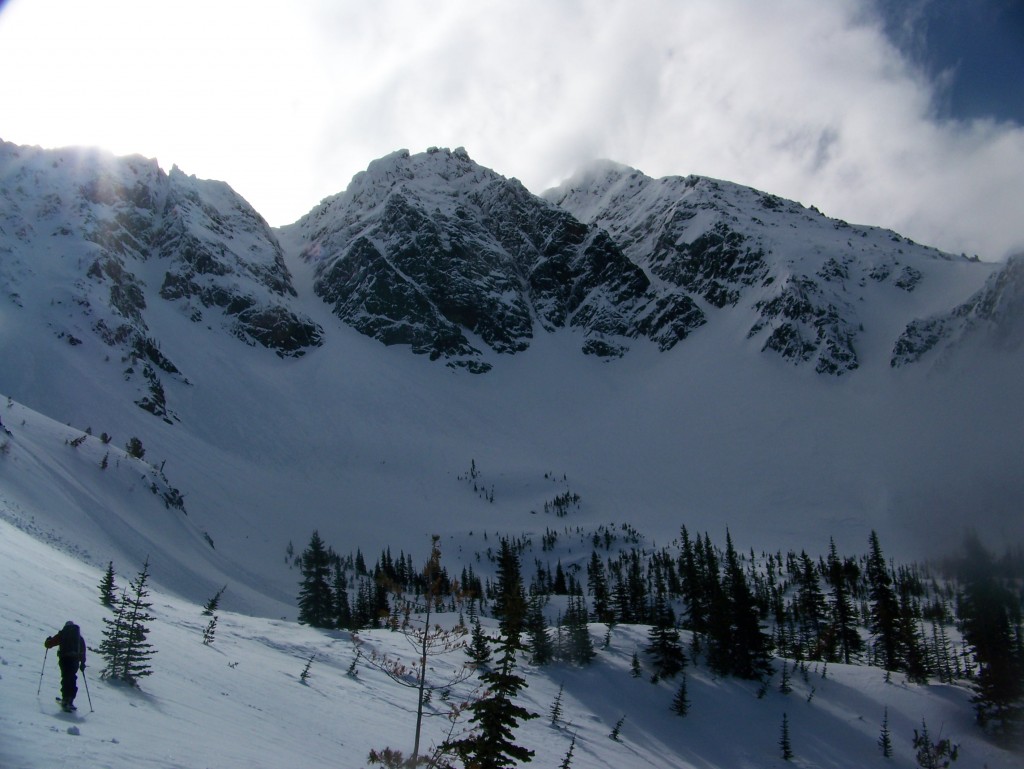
{"x": 68, "y": 679}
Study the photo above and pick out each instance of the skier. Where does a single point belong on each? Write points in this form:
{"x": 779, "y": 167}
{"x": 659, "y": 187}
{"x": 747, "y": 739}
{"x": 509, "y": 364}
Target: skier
{"x": 71, "y": 658}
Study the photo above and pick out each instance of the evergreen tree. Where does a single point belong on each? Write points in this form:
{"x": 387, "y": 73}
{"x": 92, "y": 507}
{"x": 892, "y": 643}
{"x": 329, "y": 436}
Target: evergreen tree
{"x": 667, "y": 655}
{"x": 567, "y": 761}
{"x": 214, "y": 603}
{"x": 617, "y": 730}
{"x": 124, "y": 645}
{"x": 884, "y": 608}
{"x": 690, "y": 585}
{"x": 510, "y": 599}
{"x": 134, "y": 448}
{"x": 597, "y": 583}
{"x": 681, "y": 702}
{"x": 304, "y": 675}
{"x": 210, "y": 631}
{"x": 556, "y": 707}
{"x": 636, "y": 588}
{"x": 885, "y": 737}
{"x": 339, "y": 592}
{"x": 108, "y": 591}
{"x": 479, "y": 650}
{"x": 812, "y": 611}
{"x": 559, "y": 585}
{"x": 989, "y": 613}
{"x": 316, "y": 601}
{"x": 541, "y": 647}
{"x": 913, "y": 651}
{"x": 112, "y": 645}
{"x": 579, "y": 647}
{"x": 496, "y": 715}
{"x": 785, "y": 685}
{"x": 933, "y": 755}
{"x": 784, "y": 744}
{"x": 843, "y": 638}
{"x": 739, "y": 646}
{"x": 362, "y": 611}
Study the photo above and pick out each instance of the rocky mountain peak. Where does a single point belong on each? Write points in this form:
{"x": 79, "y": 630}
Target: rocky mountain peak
{"x": 435, "y": 251}
{"x": 120, "y": 236}
{"x": 809, "y": 286}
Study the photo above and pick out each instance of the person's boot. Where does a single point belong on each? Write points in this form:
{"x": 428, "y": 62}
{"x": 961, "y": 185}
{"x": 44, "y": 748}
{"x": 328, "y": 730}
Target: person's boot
{"x": 67, "y": 707}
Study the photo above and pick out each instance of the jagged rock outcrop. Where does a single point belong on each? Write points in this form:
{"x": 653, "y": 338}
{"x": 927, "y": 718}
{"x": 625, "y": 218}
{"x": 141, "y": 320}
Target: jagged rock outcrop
{"x": 800, "y": 277}
{"x": 996, "y": 313}
{"x": 437, "y": 252}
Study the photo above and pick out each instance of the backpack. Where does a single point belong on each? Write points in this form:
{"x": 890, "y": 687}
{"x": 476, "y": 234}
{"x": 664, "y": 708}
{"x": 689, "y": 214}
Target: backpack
{"x": 70, "y": 641}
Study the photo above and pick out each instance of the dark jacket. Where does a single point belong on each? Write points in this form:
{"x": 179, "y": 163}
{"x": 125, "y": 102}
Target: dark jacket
{"x": 71, "y": 645}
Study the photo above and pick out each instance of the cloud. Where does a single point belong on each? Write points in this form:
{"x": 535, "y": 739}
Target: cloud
{"x": 804, "y": 99}
{"x": 807, "y": 100}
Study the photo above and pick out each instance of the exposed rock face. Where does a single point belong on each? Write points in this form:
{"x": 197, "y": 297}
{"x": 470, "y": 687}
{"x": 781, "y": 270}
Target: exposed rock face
{"x": 222, "y": 254}
{"x": 803, "y": 280}
{"x": 436, "y": 252}
{"x": 996, "y": 312}
{"x": 461, "y": 264}
{"x": 123, "y": 234}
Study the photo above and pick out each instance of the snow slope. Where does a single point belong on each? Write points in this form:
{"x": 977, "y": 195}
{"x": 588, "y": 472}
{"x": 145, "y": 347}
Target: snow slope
{"x": 239, "y": 702}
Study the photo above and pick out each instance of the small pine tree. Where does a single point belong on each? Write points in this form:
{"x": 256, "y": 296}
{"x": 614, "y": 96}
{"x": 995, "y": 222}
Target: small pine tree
{"x": 316, "y": 600}
{"x": 304, "y": 675}
{"x": 112, "y": 645}
{"x": 885, "y": 737}
{"x": 479, "y": 650}
{"x": 664, "y": 648}
{"x": 784, "y": 744}
{"x": 785, "y": 685}
{"x": 212, "y": 605}
{"x": 496, "y": 715}
{"x": 580, "y": 648}
{"x": 617, "y": 730}
{"x": 933, "y": 755}
{"x": 108, "y": 591}
{"x": 634, "y": 666}
{"x": 681, "y": 703}
{"x": 567, "y": 761}
{"x": 211, "y": 629}
{"x": 556, "y": 707}
{"x": 124, "y": 644}
{"x": 542, "y": 649}
{"x": 134, "y": 448}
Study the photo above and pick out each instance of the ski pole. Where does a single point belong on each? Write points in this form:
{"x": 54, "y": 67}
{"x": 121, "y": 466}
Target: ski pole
{"x": 87, "y": 690}
{"x": 45, "y": 655}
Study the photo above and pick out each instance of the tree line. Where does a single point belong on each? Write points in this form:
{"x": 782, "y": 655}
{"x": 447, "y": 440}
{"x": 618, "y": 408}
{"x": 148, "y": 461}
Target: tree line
{"x": 957, "y": 621}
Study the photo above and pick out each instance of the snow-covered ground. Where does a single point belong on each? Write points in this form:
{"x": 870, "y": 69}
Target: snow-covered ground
{"x": 239, "y": 702}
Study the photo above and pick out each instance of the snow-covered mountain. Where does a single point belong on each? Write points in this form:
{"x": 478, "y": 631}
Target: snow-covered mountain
{"x": 752, "y": 363}
{"x": 814, "y": 290}
{"x": 436, "y": 252}
{"x": 107, "y": 238}
{"x": 182, "y": 383}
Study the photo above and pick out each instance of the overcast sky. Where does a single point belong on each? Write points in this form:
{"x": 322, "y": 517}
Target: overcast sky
{"x": 903, "y": 113}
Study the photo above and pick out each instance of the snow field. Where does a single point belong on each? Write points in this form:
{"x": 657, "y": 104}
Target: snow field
{"x": 239, "y": 702}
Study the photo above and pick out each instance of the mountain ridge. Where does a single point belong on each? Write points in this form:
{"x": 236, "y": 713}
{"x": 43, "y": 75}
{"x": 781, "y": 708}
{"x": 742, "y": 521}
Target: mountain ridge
{"x": 184, "y": 320}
